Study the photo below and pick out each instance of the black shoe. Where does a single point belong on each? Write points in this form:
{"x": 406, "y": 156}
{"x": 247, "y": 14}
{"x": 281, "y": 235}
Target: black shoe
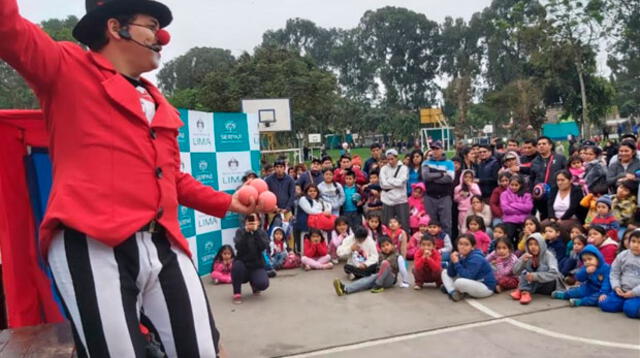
{"x": 271, "y": 273}
{"x": 444, "y": 290}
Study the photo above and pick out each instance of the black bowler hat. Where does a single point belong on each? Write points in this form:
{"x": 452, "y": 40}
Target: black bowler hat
{"x": 91, "y": 26}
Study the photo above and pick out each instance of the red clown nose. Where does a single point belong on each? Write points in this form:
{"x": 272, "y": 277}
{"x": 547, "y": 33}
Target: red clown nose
{"x": 163, "y": 37}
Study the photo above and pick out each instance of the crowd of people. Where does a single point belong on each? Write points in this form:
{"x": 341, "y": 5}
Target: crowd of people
{"x": 507, "y": 217}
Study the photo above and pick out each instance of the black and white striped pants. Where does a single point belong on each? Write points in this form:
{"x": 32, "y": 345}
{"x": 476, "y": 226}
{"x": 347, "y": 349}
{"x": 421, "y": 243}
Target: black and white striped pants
{"x": 106, "y": 290}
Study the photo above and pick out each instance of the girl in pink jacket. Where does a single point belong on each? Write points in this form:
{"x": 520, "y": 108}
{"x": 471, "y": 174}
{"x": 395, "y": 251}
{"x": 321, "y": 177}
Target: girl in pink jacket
{"x": 516, "y": 205}
{"x": 222, "y": 265}
{"x": 462, "y": 195}
{"x": 416, "y": 206}
{"x": 502, "y": 260}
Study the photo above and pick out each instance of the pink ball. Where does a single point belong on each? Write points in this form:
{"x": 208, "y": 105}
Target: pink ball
{"x": 246, "y": 194}
{"x": 267, "y": 202}
{"x": 260, "y": 185}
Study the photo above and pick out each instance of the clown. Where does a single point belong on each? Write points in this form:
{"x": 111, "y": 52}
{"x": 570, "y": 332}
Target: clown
{"x": 111, "y": 234}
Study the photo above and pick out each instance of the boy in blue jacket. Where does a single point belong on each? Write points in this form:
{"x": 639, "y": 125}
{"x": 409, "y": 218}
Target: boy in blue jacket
{"x": 594, "y": 278}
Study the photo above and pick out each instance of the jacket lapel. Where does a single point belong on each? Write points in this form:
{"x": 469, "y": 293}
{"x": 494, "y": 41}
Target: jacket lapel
{"x": 167, "y": 116}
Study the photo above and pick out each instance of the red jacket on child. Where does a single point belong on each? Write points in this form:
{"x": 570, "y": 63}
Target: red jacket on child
{"x": 313, "y": 250}
{"x": 432, "y": 263}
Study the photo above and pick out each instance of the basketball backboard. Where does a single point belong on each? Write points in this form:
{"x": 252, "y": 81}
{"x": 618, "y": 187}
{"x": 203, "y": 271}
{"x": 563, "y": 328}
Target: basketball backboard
{"x": 274, "y": 115}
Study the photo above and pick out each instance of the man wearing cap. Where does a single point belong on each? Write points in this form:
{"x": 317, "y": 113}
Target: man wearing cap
{"x": 438, "y": 173}
{"x": 110, "y": 234}
{"x": 393, "y": 181}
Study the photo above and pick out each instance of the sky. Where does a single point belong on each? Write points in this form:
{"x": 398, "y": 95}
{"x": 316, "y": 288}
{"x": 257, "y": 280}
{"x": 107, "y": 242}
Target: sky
{"x": 238, "y": 25}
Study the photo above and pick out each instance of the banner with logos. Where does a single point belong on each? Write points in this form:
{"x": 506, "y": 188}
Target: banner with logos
{"x": 217, "y": 149}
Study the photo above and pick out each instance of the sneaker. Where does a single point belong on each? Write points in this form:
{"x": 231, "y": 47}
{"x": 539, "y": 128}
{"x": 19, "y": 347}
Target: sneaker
{"x": 377, "y": 289}
{"x": 516, "y": 294}
{"x": 404, "y": 285}
{"x": 339, "y": 287}
{"x": 558, "y": 295}
{"x": 456, "y": 295}
{"x": 271, "y": 273}
{"x": 351, "y": 277}
{"x": 525, "y": 298}
{"x": 237, "y": 298}
{"x": 444, "y": 290}
{"x": 334, "y": 261}
{"x": 417, "y": 287}
{"x": 575, "y": 302}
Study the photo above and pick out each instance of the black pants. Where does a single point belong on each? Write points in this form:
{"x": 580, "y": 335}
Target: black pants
{"x": 241, "y": 274}
{"x": 513, "y": 231}
{"x": 360, "y": 273}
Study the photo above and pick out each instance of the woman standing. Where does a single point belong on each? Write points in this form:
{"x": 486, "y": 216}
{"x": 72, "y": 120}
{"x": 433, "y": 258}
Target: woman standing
{"x": 626, "y": 165}
{"x": 415, "y": 171}
{"x": 331, "y": 192}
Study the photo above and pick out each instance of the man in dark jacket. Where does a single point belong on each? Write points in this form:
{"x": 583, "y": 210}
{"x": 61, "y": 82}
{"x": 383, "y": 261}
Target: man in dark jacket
{"x": 438, "y": 173}
{"x": 376, "y": 156}
{"x": 283, "y": 186}
{"x": 311, "y": 176}
{"x": 546, "y": 158}
{"x": 487, "y": 171}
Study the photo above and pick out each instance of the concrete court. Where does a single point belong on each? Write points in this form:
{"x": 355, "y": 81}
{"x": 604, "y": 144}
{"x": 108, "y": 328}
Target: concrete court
{"x": 300, "y": 315}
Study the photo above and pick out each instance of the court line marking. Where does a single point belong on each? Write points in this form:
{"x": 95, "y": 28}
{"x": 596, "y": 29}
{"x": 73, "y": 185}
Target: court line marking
{"x": 400, "y": 338}
{"x": 486, "y": 310}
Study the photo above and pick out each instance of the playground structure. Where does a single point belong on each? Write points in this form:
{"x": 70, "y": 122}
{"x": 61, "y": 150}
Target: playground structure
{"x": 434, "y": 126}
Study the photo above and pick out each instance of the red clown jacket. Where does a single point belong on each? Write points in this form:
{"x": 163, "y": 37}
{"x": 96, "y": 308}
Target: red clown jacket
{"x": 113, "y": 172}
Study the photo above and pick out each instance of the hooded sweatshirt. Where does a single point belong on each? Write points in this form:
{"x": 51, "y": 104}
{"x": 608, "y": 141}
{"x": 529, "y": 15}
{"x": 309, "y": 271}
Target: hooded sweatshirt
{"x": 285, "y": 189}
{"x": 625, "y": 272}
{"x": 475, "y": 267}
{"x": 598, "y": 281}
{"x": 462, "y": 196}
{"x": 277, "y": 247}
{"x": 544, "y": 267}
{"x": 417, "y": 204}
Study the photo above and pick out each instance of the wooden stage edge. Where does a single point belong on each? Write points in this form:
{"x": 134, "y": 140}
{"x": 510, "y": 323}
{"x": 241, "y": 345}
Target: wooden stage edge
{"x": 46, "y": 340}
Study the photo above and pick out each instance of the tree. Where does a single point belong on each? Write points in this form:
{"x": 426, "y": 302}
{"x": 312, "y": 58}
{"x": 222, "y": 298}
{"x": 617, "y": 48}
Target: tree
{"x": 188, "y": 71}
{"x": 14, "y": 91}
{"x": 275, "y": 73}
{"x": 577, "y": 26}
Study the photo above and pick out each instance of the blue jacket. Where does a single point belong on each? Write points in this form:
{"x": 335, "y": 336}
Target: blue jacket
{"x": 558, "y": 248}
{"x": 285, "y": 190}
{"x": 474, "y": 267}
{"x": 597, "y": 282}
{"x": 488, "y": 176}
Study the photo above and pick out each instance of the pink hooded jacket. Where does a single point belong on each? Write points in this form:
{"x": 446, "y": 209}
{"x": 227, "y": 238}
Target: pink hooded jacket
{"x": 464, "y": 202}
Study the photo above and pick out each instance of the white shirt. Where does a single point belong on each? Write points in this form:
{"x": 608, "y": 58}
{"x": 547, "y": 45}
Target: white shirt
{"x": 561, "y": 205}
{"x": 394, "y": 186}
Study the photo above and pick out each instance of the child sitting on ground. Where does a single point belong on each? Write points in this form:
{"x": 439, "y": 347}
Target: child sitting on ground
{"x": 340, "y": 232}
{"x": 414, "y": 241}
{"x": 604, "y": 218}
{"x": 537, "y": 271}
{"x": 222, "y": 264}
{"x": 475, "y": 226}
{"x": 571, "y": 263}
{"x": 607, "y": 246}
{"x": 416, "y": 206}
{"x": 442, "y": 240}
{"x": 594, "y": 278}
{"x": 385, "y": 278}
{"x": 554, "y": 240}
{"x": 589, "y": 201}
{"x": 531, "y": 225}
{"x": 316, "y": 253}
{"x": 278, "y": 246}
{"x": 502, "y": 260}
{"x": 500, "y": 231}
{"x": 623, "y": 205}
{"x": 375, "y": 228}
{"x": 427, "y": 266}
{"x": 399, "y": 238}
{"x": 361, "y": 252}
{"x": 625, "y": 281}
{"x": 469, "y": 272}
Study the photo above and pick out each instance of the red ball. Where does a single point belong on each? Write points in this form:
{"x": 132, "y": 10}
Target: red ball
{"x": 260, "y": 185}
{"x": 246, "y": 194}
{"x": 267, "y": 202}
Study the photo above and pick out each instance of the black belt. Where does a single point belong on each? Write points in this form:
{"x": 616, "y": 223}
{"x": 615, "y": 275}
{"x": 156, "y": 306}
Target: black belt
{"x": 152, "y": 227}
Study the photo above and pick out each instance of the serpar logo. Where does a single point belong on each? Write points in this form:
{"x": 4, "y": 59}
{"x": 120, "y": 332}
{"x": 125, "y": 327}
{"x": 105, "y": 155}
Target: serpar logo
{"x": 208, "y": 247}
{"x": 203, "y": 165}
{"x": 180, "y": 136}
{"x": 184, "y": 210}
{"x": 230, "y": 126}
